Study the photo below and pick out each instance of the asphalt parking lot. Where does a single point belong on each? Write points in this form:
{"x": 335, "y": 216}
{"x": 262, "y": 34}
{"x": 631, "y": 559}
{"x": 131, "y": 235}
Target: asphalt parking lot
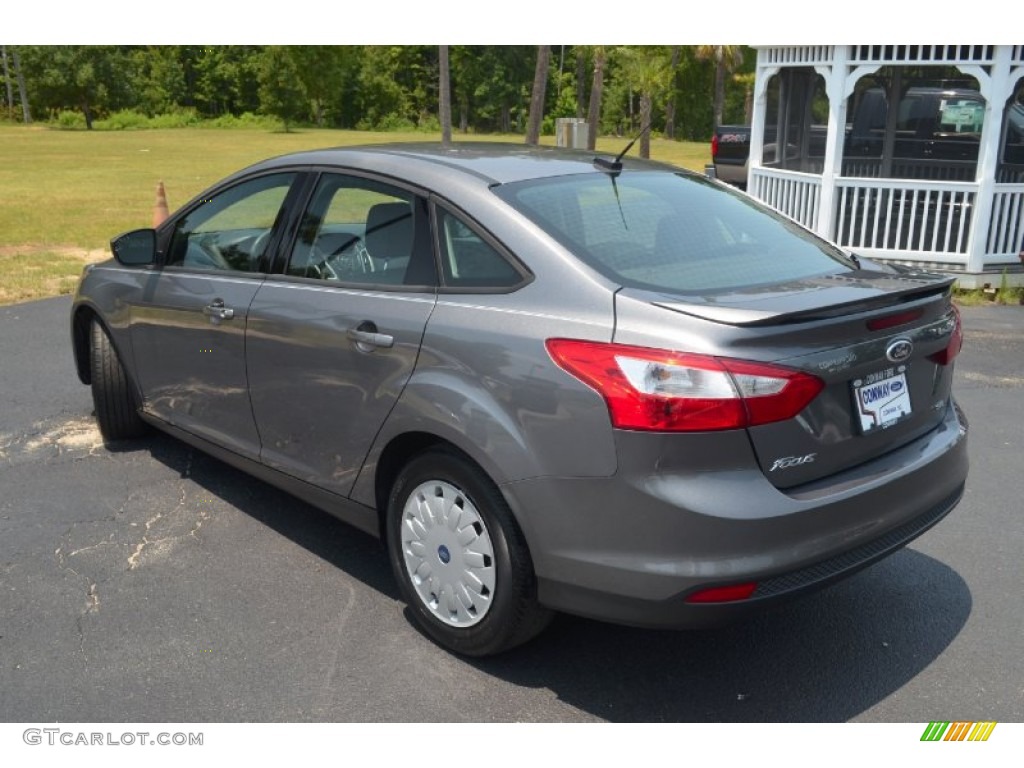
{"x": 153, "y": 583}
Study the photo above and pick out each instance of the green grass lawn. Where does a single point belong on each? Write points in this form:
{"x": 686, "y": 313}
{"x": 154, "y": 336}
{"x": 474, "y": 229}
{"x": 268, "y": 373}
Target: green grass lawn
{"x": 63, "y": 194}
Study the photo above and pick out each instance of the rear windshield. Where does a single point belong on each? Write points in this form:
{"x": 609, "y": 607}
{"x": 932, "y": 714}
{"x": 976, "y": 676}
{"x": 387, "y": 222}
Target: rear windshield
{"x": 670, "y": 232}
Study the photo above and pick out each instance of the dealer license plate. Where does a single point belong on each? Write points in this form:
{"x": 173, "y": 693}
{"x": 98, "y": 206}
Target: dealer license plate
{"x": 882, "y": 399}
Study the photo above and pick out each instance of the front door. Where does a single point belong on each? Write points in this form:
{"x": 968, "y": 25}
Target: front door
{"x": 188, "y": 333}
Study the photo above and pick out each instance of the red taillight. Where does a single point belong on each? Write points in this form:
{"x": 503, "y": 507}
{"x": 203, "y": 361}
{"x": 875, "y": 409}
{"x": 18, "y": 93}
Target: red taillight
{"x": 956, "y": 340}
{"x": 662, "y": 391}
{"x": 727, "y": 594}
{"x": 714, "y": 146}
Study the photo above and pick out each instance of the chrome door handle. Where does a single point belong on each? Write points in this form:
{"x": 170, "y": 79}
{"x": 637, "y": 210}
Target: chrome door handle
{"x": 216, "y": 309}
{"x": 366, "y": 341}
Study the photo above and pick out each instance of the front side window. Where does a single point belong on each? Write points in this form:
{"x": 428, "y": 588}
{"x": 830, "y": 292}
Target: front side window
{"x": 232, "y": 229}
{"x": 358, "y": 230}
{"x": 669, "y": 232}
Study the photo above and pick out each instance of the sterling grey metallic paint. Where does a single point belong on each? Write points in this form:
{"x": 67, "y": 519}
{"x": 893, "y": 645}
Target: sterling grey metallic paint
{"x": 620, "y": 525}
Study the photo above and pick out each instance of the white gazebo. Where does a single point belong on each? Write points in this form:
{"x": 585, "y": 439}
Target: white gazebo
{"x": 936, "y": 181}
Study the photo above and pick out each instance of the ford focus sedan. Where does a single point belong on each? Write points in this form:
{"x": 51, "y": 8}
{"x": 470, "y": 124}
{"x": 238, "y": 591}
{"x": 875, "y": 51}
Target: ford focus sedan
{"x": 547, "y": 381}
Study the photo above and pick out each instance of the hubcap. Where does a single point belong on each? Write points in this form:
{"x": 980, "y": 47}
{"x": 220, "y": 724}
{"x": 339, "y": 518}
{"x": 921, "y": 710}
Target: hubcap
{"x": 448, "y": 553}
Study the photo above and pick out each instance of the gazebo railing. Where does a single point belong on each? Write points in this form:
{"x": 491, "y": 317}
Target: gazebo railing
{"x": 906, "y": 168}
{"x": 927, "y": 218}
{"x": 797, "y": 195}
{"x": 1006, "y": 227}
{"x": 1010, "y": 174}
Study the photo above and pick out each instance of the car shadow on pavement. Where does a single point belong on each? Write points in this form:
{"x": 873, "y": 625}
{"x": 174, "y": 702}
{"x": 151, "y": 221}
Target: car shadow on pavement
{"x": 824, "y": 658}
{"x": 827, "y": 657}
{"x": 343, "y": 546}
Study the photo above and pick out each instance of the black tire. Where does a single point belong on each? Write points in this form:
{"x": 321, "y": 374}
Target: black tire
{"x": 117, "y": 411}
{"x": 511, "y": 614}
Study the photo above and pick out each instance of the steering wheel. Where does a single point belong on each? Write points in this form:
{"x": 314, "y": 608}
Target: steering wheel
{"x": 208, "y": 248}
{"x": 352, "y": 259}
{"x": 259, "y": 246}
{"x": 320, "y": 266}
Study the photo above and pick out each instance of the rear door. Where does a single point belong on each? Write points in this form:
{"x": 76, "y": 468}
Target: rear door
{"x": 333, "y": 340}
{"x": 188, "y": 332}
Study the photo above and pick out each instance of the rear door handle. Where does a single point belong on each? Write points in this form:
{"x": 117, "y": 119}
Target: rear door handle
{"x": 216, "y": 310}
{"x": 367, "y": 338}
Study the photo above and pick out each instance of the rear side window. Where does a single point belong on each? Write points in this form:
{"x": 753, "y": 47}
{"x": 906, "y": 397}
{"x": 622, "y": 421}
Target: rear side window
{"x": 468, "y": 260}
{"x": 361, "y": 231}
{"x": 671, "y": 232}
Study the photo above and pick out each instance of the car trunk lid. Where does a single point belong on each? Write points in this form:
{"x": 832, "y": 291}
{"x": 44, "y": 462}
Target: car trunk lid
{"x": 877, "y": 340}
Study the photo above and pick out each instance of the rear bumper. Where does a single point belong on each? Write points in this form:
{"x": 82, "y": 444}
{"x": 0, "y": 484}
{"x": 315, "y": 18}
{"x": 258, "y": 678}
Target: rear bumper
{"x": 685, "y": 513}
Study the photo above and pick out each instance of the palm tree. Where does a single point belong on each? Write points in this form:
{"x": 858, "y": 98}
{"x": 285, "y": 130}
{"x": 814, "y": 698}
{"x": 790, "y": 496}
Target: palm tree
{"x": 7, "y": 80}
{"x": 26, "y": 113}
{"x": 670, "y": 103}
{"x": 746, "y": 81}
{"x": 581, "y": 77}
{"x": 647, "y": 71}
{"x": 540, "y": 84}
{"x": 596, "y": 88}
{"x": 445, "y": 98}
{"x": 726, "y": 58}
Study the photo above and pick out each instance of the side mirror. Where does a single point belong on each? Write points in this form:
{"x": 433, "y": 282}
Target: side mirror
{"x": 136, "y": 248}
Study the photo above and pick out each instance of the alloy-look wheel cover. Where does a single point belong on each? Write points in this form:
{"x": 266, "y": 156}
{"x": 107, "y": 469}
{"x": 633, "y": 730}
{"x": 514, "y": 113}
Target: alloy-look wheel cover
{"x": 448, "y": 553}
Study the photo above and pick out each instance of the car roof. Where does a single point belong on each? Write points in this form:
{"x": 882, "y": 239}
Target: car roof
{"x": 489, "y": 163}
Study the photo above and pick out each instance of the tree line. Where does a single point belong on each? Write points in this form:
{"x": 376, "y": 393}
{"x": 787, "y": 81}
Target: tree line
{"x": 681, "y": 91}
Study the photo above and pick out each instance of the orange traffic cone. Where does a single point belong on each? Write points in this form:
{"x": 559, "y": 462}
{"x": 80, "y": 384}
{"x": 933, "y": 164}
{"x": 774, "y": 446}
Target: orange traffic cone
{"x": 160, "y": 211}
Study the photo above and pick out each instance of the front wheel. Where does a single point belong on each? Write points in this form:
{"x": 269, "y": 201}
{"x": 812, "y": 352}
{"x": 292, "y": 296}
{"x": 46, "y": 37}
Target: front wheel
{"x": 459, "y": 557}
{"x": 116, "y": 409}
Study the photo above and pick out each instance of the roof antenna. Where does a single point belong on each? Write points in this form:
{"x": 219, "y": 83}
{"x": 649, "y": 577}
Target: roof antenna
{"x": 615, "y": 166}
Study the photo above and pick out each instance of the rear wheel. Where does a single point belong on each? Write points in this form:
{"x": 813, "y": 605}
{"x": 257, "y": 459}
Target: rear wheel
{"x": 459, "y": 557}
{"x": 116, "y": 409}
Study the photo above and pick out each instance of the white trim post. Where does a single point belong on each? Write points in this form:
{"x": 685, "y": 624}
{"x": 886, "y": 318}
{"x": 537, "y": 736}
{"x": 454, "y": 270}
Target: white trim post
{"x": 835, "y": 139}
{"x": 763, "y": 74}
{"x": 996, "y": 89}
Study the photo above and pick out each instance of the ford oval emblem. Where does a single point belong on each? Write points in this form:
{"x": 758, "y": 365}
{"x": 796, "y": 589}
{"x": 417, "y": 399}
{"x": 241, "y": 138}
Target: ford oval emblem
{"x": 899, "y": 350}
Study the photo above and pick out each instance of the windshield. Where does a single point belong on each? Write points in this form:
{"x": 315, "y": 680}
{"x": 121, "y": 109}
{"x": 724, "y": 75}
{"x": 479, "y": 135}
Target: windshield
{"x": 670, "y": 232}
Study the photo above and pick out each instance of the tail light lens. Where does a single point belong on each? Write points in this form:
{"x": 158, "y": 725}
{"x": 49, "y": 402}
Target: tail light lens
{"x": 956, "y": 341}
{"x": 714, "y": 146}
{"x": 663, "y": 391}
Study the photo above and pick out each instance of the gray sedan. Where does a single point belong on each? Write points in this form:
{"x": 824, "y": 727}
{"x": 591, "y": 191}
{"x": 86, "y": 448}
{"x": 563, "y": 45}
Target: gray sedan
{"x": 549, "y": 381}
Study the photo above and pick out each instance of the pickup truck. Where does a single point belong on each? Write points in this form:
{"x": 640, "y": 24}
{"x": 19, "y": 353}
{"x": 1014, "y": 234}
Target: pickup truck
{"x": 730, "y": 151}
{"x": 937, "y": 135}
